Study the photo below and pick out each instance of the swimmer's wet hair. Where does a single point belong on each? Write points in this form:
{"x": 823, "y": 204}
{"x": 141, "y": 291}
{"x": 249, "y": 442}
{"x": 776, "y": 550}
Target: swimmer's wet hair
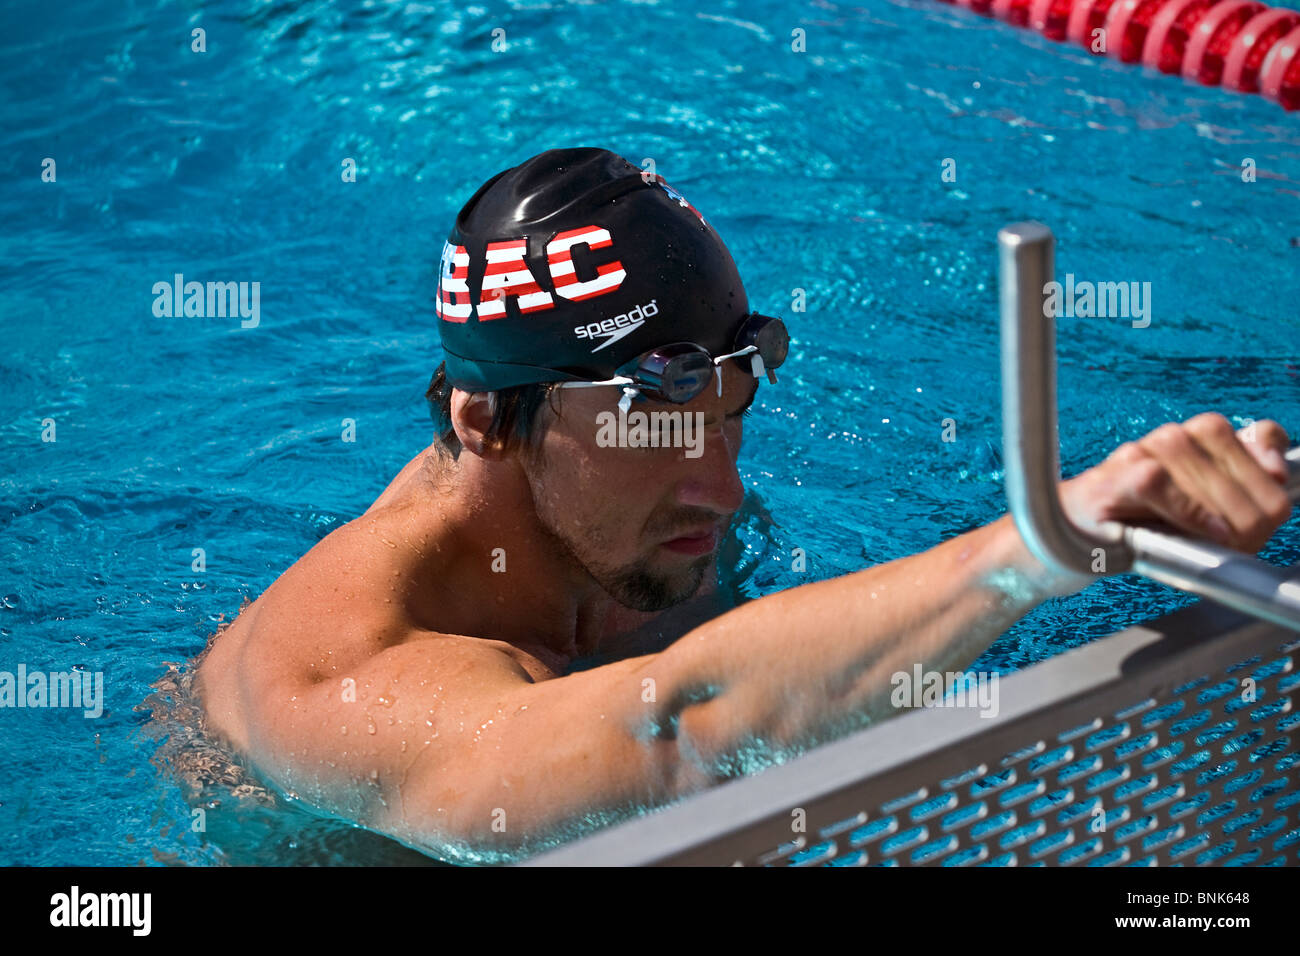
{"x": 514, "y": 413}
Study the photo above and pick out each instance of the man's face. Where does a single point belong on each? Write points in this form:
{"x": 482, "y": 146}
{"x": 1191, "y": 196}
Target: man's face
{"x": 644, "y": 522}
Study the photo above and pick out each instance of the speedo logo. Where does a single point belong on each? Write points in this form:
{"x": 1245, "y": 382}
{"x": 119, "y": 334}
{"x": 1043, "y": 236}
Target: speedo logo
{"x": 611, "y": 330}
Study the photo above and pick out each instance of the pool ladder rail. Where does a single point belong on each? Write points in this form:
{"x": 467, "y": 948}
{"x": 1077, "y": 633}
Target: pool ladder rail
{"x": 1241, "y": 45}
{"x": 1033, "y": 471}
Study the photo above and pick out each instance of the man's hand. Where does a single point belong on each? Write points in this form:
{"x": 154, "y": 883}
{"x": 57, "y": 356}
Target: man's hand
{"x": 1202, "y": 478}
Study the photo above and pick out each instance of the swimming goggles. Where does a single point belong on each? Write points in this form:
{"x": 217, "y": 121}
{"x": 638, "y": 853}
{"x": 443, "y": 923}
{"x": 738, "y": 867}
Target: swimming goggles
{"x": 680, "y": 372}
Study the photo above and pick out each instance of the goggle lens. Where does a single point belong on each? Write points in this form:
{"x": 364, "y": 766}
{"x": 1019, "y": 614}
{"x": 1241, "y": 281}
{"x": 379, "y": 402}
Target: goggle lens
{"x": 676, "y": 373}
{"x": 686, "y": 376}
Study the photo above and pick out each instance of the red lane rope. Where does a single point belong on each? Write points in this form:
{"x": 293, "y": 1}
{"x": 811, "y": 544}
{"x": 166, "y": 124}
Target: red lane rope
{"x": 1279, "y": 77}
{"x": 1242, "y": 45}
{"x": 1241, "y": 65}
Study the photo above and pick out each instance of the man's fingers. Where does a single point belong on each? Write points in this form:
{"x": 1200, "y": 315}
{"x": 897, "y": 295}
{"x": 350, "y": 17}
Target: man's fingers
{"x": 1272, "y": 507}
{"x": 1219, "y": 507}
{"x": 1148, "y": 486}
{"x": 1201, "y": 477}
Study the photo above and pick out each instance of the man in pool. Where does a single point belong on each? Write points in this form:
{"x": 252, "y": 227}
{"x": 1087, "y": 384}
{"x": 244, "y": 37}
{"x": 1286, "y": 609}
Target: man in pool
{"x": 414, "y": 671}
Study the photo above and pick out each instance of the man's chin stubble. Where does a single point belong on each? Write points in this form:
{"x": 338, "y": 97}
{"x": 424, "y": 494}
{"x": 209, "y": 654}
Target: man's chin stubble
{"x": 641, "y": 590}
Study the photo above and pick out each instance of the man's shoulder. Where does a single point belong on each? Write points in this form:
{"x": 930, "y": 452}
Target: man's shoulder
{"x": 332, "y": 607}
{"x": 349, "y": 575}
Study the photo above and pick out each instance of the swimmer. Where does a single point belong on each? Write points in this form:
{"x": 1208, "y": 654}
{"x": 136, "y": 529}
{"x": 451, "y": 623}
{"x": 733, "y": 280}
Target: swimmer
{"x": 523, "y": 637}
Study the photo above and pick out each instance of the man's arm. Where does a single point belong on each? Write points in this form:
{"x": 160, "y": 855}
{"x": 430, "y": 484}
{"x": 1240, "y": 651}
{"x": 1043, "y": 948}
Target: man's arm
{"x": 807, "y": 665}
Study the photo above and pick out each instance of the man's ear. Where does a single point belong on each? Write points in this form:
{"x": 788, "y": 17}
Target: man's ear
{"x": 471, "y": 417}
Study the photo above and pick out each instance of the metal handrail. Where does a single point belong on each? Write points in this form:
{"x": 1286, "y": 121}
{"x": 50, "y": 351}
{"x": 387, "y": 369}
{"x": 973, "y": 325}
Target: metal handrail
{"x": 1032, "y": 451}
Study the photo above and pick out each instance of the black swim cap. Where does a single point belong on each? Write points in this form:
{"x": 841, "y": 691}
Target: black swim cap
{"x": 574, "y": 262}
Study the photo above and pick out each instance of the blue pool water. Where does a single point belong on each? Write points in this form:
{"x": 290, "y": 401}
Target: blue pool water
{"x": 821, "y": 170}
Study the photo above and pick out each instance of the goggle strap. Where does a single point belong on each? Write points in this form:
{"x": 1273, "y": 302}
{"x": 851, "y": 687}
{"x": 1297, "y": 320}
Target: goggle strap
{"x": 616, "y": 380}
{"x": 737, "y": 354}
{"x": 625, "y": 402}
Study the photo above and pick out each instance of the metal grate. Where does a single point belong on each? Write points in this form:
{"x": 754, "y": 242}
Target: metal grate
{"x": 1168, "y": 744}
{"x": 1152, "y": 785}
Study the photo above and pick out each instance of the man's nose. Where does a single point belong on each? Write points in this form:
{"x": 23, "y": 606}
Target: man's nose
{"x": 712, "y": 480}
